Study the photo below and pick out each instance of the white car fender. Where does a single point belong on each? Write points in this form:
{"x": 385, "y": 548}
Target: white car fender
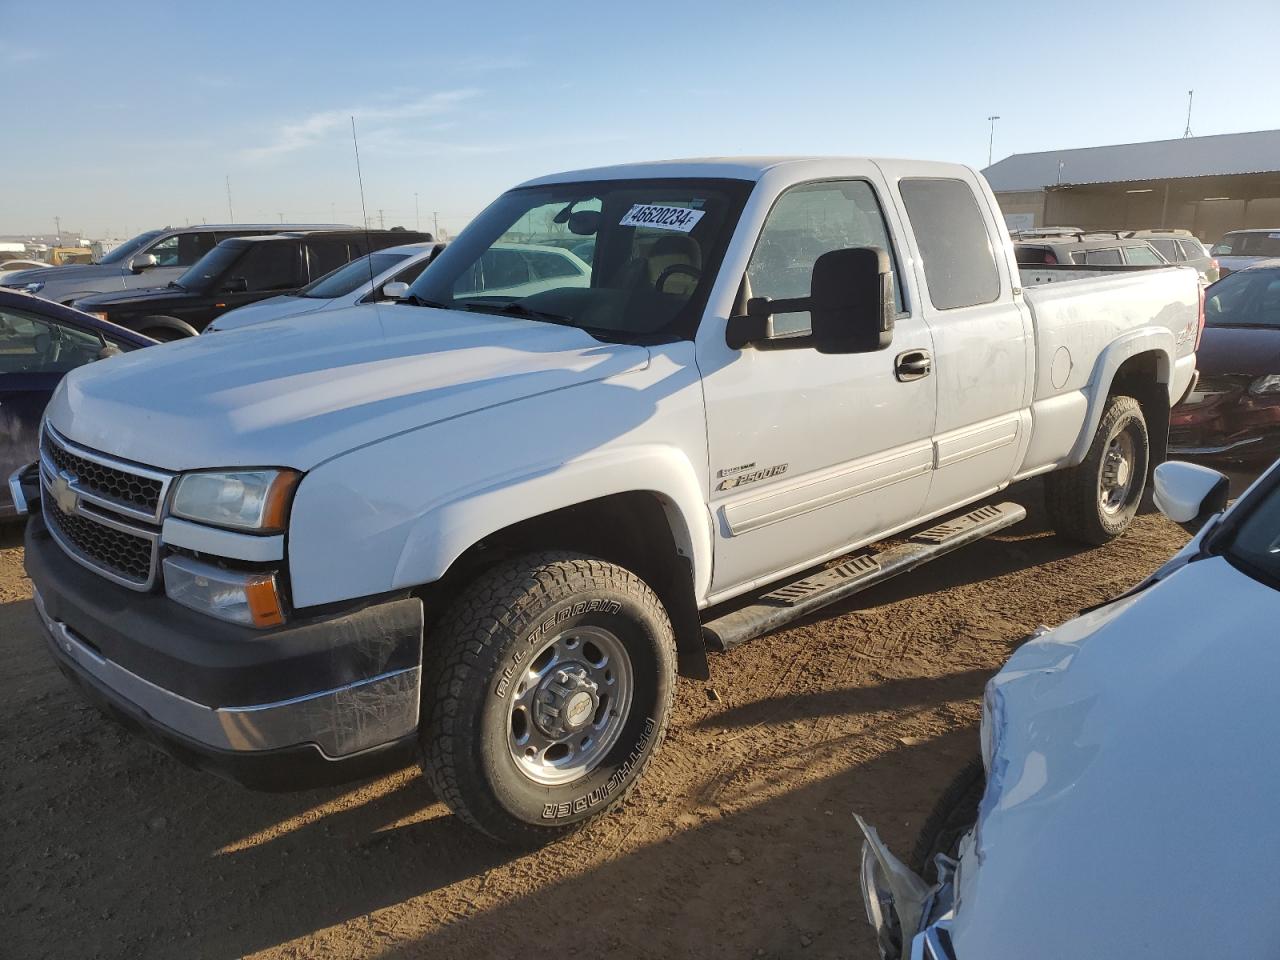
{"x": 441, "y": 535}
{"x": 397, "y": 512}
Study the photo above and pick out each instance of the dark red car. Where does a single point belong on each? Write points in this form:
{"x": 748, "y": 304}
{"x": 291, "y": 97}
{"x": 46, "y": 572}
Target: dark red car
{"x": 1234, "y": 411}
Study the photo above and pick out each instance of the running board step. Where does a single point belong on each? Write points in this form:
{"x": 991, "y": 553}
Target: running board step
{"x": 784, "y": 604}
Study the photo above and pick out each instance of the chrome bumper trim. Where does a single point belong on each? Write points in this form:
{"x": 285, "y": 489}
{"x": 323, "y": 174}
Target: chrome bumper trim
{"x": 20, "y": 504}
{"x": 341, "y": 722}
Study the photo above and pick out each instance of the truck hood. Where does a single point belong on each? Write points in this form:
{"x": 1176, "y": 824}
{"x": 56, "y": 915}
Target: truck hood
{"x": 298, "y": 391}
{"x": 1253, "y": 351}
{"x": 146, "y": 297}
{"x": 1130, "y": 808}
{"x": 68, "y": 271}
{"x": 274, "y": 309}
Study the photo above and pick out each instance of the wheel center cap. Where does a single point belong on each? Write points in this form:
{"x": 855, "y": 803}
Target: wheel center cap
{"x": 566, "y": 702}
{"x": 578, "y": 710}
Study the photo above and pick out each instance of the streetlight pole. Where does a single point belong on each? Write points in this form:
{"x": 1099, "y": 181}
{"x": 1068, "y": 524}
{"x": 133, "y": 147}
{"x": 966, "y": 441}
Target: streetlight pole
{"x": 417, "y": 220}
{"x": 231, "y": 214}
{"x": 991, "y": 140}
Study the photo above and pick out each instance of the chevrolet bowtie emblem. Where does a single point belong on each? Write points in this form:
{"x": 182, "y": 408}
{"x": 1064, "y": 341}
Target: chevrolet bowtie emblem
{"x": 63, "y": 494}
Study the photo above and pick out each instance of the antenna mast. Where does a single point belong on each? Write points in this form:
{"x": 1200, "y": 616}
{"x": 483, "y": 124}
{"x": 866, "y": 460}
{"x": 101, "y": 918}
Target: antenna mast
{"x": 368, "y": 252}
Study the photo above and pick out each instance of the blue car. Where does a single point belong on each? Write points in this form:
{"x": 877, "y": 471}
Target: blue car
{"x": 39, "y": 342}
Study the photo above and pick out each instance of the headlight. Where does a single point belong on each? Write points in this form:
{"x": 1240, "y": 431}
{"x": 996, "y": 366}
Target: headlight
{"x": 233, "y": 595}
{"x": 1264, "y": 386}
{"x": 249, "y": 500}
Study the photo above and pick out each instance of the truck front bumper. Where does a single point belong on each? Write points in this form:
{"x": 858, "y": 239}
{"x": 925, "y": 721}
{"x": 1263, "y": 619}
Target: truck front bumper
{"x": 321, "y": 700}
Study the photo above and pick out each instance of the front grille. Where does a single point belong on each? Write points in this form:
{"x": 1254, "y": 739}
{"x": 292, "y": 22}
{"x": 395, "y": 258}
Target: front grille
{"x": 128, "y": 556}
{"x": 125, "y": 488}
{"x": 103, "y": 512}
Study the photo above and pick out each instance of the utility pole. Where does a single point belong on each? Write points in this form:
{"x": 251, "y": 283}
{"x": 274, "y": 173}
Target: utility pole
{"x": 333, "y": 212}
{"x": 231, "y": 214}
{"x": 58, "y": 223}
{"x": 281, "y": 216}
{"x": 1191, "y": 95}
{"x": 417, "y": 220}
{"x": 435, "y": 224}
{"x": 382, "y": 221}
{"x": 991, "y": 140}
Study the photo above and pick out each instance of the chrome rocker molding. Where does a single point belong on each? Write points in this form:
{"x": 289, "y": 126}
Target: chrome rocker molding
{"x": 341, "y": 722}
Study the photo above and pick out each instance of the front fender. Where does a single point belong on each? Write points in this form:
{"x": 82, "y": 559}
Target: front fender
{"x": 398, "y": 512}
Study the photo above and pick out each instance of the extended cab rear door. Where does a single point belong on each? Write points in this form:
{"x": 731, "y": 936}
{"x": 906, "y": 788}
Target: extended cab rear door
{"x": 982, "y": 338}
{"x": 809, "y": 452}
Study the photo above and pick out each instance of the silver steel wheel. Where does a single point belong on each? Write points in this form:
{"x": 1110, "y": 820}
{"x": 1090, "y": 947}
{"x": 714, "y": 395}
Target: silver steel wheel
{"x": 570, "y": 704}
{"x": 1118, "y": 473}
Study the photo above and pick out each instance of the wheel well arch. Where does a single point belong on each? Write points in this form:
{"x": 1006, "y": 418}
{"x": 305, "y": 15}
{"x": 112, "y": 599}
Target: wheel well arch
{"x": 640, "y": 530}
{"x": 161, "y": 321}
{"x": 1145, "y": 377}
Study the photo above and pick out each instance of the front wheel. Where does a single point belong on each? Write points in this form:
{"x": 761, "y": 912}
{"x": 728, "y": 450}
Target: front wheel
{"x": 549, "y": 687}
{"x": 1096, "y": 501}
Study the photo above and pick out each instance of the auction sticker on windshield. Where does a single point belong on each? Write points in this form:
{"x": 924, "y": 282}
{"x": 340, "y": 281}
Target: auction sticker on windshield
{"x": 663, "y": 218}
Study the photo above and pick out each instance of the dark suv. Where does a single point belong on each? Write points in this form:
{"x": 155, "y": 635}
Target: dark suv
{"x": 239, "y": 272}
{"x": 150, "y": 259}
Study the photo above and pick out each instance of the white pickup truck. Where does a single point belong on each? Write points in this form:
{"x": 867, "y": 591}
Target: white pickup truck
{"x": 484, "y": 523}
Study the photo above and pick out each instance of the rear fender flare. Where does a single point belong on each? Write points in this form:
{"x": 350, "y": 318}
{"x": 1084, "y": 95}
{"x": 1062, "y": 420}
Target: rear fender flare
{"x": 1157, "y": 340}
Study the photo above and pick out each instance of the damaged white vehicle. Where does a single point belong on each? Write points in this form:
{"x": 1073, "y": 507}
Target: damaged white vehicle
{"x": 1125, "y": 804}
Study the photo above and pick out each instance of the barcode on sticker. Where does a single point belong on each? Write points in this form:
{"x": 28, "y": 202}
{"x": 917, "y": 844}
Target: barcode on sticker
{"x": 663, "y": 218}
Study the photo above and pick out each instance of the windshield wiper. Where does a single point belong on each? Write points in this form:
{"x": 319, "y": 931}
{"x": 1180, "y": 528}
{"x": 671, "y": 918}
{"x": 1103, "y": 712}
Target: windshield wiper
{"x": 520, "y": 310}
{"x": 418, "y": 301}
{"x": 175, "y": 285}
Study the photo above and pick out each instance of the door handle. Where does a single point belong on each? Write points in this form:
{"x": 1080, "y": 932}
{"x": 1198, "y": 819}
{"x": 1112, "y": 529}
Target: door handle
{"x": 912, "y": 365}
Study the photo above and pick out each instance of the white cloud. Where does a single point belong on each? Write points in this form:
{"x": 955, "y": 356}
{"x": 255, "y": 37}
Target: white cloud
{"x": 375, "y": 121}
{"x": 12, "y": 53}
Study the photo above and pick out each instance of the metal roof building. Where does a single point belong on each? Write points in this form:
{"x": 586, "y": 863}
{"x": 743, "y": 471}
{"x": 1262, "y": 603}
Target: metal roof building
{"x": 1204, "y": 184}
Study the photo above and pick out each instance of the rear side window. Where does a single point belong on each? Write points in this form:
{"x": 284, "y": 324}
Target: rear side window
{"x": 1191, "y": 250}
{"x": 1109, "y": 256}
{"x": 1167, "y": 247}
{"x": 1143, "y": 255}
{"x": 327, "y": 256}
{"x": 959, "y": 264}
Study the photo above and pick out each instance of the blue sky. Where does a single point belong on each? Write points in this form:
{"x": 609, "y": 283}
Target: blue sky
{"x": 127, "y": 117}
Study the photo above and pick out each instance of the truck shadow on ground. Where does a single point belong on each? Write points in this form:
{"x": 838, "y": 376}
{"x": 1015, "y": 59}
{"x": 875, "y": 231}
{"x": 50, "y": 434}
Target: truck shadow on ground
{"x": 168, "y": 860}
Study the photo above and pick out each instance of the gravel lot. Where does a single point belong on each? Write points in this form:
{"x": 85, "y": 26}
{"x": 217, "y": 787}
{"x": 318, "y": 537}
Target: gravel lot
{"x": 739, "y": 843}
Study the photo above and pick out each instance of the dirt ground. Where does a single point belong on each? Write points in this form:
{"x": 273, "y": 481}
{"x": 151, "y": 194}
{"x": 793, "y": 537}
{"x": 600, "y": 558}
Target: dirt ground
{"x": 739, "y": 843}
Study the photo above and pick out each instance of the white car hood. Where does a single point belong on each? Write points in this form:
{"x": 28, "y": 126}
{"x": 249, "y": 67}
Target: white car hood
{"x": 275, "y": 308}
{"x": 1131, "y": 809}
{"x": 298, "y": 391}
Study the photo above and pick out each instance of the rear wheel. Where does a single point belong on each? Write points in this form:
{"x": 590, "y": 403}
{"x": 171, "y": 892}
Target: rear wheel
{"x": 154, "y": 328}
{"x": 548, "y": 691}
{"x": 1096, "y": 501}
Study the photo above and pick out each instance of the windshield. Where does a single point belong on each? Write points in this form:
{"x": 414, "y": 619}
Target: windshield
{"x": 338, "y": 283}
{"x": 201, "y": 274}
{"x": 1248, "y": 245}
{"x": 129, "y": 247}
{"x": 1249, "y": 298}
{"x": 1255, "y": 546}
{"x": 622, "y": 259}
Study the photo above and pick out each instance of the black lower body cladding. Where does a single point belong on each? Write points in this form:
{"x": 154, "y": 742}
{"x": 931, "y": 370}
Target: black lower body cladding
{"x": 321, "y": 700}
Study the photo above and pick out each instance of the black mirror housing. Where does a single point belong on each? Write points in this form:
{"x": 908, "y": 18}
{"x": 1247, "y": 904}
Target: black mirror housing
{"x": 236, "y": 285}
{"x": 851, "y": 298}
{"x": 851, "y": 307}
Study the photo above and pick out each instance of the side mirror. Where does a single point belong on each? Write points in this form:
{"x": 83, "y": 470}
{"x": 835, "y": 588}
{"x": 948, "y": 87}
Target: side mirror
{"x": 1189, "y": 494}
{"x": 236, "y": 285}
{"x": 108, "y": 350}
{"x": 143, "y": 261}
{"x": 851, "y": 307}
{"x": 394, "y": 290}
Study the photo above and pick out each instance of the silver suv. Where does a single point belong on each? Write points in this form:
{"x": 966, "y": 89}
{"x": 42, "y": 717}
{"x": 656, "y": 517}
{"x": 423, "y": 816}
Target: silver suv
{"x": 1181, "y": 246}
{"x": 1040, "y": 248}
{"x": 150, "y": 259}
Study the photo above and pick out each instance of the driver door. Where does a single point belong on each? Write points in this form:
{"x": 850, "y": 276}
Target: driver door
{"x": 811, "y": 453}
